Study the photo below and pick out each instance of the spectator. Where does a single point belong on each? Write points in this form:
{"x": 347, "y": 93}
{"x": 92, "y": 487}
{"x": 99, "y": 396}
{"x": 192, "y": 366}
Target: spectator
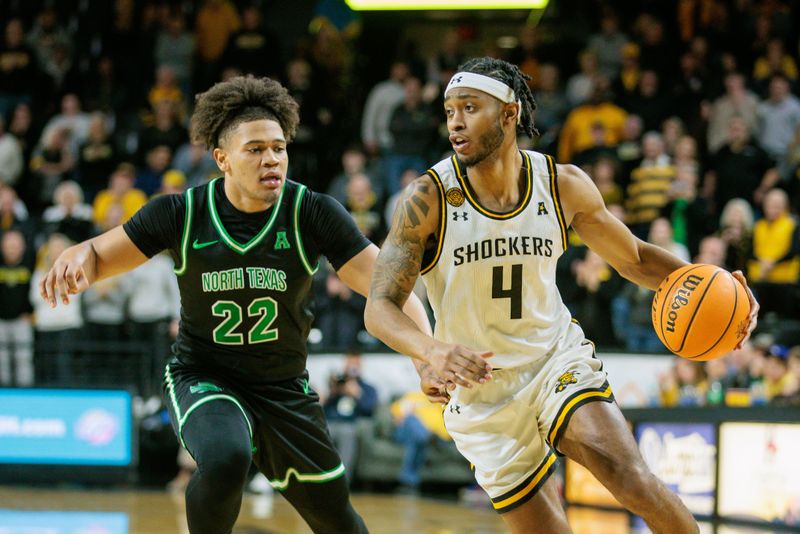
{"x": 661, "y": 235}
{"x": 153, "y": 315}
{"x": 444, "y": 63}
{"x": 11, "y": 162}
{"x": 216, "y": 21}
{"x": 774, "y": 270}
{"x": 97, "y": 158}
{"x": 690, "y": 92}
{"x": 627, "y": 82}
{"x": 51, "y": 163}
{"x": 607, "y": 45}
{"x": 597, "y": 285}
{"x": 381, "y": 102}
{"x": 349, "y": 398}
{"x": 577, "y": 132}
{"x": 19, "y": 75}
{"x": 16, "y": 332}
{"x": 254, "y": 49}
{"x": 408, "y": 176}
{"x": 57, "y": 329}
{"x": 688, "y": 213}
{"x": 69, "y": 215}
{"x": 778, "y": 381}
{"x": 551, "y": 104}
{"x": 340, "y": 312}
{"x": 717, "y": 379}
{"x": 779, "y": 118}
{"x": 22, "y": 128}
{"x": 354, "y": 161}
{"x": 196, "y": 164}
{"x": 175, "y": 48}
{"x": 632, "y": 311}
{"x": 173, "y": 182}
{"x": 736, "y": 230}
{"x": 46, "y": 36}
{"x": 684, "y": 385}
{"x": 712, "y": 251}
{"x": 649, "y": 102}
{"x": 418, "y": 423}
{"x": 121, "y": 193}
{"x": 648, "y": 190}
{"x": 413, "y": 129}
{"x": 13, "y": 213}
{"x": 775, "y": 61}
{"x": 740, "y": 169}
{"x": 165, "y": 130}
{"x": 72, "y": 121}
{"x": 604, "y": 174}
{"x": 104, "y": 312}
{"x": 363, "y": 205}
{"x": 672, "y": 130}
{"x": 581, "y": 84}
{"x": 629, "y": 149}
{"x": 167, "y": 89}
{"x": 736, "y": 102}
{"x": 150, "y": 177}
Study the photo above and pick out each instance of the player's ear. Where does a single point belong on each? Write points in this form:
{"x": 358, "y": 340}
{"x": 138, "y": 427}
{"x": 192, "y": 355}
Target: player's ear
{"x": 510, "y": 112}
{"x": 221, "y": 157}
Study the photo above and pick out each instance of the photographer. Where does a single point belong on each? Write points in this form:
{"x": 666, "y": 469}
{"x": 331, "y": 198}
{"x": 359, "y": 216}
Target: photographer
{"x": 349, "y": 398}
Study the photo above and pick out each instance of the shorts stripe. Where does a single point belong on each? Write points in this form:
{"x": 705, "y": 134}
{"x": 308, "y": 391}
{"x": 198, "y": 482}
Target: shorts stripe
{"x": 528, "y": 488}
{"x": 316, "y": 478}
{"x": 572, "y": 403}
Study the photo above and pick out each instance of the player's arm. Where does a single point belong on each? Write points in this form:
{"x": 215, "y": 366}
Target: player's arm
{"x": 398, "y": 265}
{"x": 640, "y": 262}
{"x": 83, "y": 264}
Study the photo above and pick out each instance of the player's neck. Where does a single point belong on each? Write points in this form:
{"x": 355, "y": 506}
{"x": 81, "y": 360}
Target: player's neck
{"x": 496, "y": 178}
{"x": 241, "y": 201}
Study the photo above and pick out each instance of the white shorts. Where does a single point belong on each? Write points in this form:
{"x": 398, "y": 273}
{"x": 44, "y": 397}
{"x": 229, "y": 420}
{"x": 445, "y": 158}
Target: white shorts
{"x": 509, "y": 428}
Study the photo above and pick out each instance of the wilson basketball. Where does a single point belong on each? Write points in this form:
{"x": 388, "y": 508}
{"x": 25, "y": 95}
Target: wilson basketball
{"x": 700, "y": 312}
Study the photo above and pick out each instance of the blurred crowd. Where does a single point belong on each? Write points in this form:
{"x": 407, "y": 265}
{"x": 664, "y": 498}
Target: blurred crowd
{"x": 685, "y": 114}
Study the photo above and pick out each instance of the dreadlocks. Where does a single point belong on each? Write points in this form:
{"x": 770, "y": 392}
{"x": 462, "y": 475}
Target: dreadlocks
{"x": 511, "y": 76}
{"x": 242, "y": 99}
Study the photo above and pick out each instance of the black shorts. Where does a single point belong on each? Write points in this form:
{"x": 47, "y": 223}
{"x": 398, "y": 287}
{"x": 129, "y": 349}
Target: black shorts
{"x": 288, "y": 432}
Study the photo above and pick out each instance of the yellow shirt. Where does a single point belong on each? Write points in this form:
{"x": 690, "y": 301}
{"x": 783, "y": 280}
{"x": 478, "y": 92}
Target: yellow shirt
{"x": 772, "y": 241}
{"x": 429, "y": 414}
{"x": 130, "y": 202}
{"x": 577, "y": 132}
{"x": 215, "y": 23}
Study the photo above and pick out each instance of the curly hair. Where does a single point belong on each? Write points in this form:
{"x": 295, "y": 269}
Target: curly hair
{"x": 242, "y": 99}
{"x": 510, "y": 75}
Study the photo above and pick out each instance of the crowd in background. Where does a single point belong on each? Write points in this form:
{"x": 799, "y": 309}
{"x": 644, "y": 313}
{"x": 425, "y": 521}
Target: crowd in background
{"x": 684, "y": 113}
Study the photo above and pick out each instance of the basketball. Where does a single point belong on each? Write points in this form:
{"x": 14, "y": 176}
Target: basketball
{"x": 700, "y": 312}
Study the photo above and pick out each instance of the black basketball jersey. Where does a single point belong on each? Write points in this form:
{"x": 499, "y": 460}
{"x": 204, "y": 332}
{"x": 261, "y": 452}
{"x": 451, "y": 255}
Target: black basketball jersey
{"x": 244, "y": 305}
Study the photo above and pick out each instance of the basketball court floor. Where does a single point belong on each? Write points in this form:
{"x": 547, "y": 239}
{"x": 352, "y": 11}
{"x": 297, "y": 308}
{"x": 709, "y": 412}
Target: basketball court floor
{"x": 27, "y": 510}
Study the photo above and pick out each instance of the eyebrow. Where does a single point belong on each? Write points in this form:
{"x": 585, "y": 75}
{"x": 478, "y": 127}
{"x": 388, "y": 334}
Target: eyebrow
{"x": 462, "y": 96}
{"x": 262, "y": 142}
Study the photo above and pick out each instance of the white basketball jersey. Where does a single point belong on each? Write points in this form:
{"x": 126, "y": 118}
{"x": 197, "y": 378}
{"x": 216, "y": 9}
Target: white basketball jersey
{"x": 492, "y": 281}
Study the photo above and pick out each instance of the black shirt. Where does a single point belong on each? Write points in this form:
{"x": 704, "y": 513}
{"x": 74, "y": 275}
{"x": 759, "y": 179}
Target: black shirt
{"x": 245, "y": 278}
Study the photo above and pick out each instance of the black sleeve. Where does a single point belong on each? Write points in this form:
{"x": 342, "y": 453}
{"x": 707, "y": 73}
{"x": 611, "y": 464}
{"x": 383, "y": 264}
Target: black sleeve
{"x": 329, "y": 230}
{"x": 158, "y": 225}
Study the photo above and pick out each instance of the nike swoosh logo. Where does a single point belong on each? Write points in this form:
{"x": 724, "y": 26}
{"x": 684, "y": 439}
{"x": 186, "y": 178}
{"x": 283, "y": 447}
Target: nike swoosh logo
{"x": 198, "y": 246}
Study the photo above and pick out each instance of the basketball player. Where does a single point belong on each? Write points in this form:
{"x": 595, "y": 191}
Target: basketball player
{"x": 246, "y": 247}
{"x": 485, "y": 229}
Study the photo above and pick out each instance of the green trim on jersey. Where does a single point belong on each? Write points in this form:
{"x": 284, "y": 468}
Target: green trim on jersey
{"x": 315, "y": 478}
{"x": 301, "y": 189}
{"x": 230, "y": 241}
{"x": 183, "y": 418}
{"x": 187, "y": 226}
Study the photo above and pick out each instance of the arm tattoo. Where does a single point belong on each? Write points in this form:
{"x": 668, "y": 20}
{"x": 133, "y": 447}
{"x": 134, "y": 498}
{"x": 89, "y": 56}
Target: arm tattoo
{"x": 399, "y": 262}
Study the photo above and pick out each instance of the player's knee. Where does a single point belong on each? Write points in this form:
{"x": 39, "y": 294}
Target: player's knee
{"x": 635, "y": 482}
{"x": 226, "y": 465}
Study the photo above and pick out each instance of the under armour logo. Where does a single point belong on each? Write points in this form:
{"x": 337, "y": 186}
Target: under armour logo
{"x": 455, "y": 80}
{"x": 455, "y": 408}
{"x": 542, "y": 209}
{"x": 463, "y": 214}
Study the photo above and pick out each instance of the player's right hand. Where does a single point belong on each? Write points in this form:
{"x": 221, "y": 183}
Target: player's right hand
{"x": 67, "y": 276}
{"x": 460, "y": 365}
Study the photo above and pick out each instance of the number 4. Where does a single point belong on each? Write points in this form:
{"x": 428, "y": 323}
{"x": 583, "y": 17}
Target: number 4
{"x": 514, "y": 292}
{"x": 261, "y": 332}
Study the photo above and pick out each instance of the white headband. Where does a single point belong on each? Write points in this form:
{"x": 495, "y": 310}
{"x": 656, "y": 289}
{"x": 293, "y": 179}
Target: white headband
{"x": 496, "y": 88}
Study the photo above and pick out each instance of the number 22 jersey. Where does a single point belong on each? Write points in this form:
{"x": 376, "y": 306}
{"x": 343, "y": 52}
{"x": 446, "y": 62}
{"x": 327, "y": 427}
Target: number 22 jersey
{"x": 492, "y": 279}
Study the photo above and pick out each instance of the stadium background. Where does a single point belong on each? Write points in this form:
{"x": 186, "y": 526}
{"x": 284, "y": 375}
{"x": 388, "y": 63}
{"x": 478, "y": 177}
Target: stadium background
{"x": 685, "y": 113}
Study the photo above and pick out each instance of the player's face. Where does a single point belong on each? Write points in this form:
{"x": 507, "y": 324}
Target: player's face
{"x": 255, "y": 160}
{"x": 474, "y": 123}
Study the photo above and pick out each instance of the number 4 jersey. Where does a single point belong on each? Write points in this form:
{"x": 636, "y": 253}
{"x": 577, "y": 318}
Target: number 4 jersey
{"x": 492, "y": 279}
{"x": 245, "y": 278}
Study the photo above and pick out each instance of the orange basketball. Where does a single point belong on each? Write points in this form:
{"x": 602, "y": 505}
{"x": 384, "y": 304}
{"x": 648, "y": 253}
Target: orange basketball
{"x": 700, "y": 312}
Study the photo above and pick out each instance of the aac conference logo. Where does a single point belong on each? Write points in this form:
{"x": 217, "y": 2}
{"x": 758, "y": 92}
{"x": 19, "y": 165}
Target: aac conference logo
{"x": 97, "y": 427}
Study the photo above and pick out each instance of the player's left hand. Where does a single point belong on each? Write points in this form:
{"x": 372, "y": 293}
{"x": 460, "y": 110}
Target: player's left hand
{"x": 754, "y": 307}
{"x": 434, "y": 387}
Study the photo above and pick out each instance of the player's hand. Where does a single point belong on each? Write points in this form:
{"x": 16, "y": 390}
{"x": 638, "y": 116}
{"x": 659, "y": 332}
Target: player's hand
{"x": 754, "y": 307}
{"x": 460, "y": 365}
{"x": 69, "y": 275}
{"x": 434, "y": 387}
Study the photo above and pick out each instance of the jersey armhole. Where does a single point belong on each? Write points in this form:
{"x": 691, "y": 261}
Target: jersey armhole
{"x": 551, "y": 168}
{"x": 298, "y": 199}
{"x": 425, "y": 268}
{"x": 187, "y": 227}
